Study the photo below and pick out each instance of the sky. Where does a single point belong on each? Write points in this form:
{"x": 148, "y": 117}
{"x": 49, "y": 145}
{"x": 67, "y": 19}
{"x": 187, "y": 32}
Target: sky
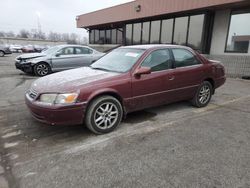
{"x": 53, "y": 15}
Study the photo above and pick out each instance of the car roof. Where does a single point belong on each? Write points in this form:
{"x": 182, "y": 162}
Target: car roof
{"x": 71, "y": 45}
{"x": 153, "y": 46}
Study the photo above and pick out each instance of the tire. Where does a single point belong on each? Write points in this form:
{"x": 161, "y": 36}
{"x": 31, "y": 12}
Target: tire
{"x": 1, "y": 53}
{"x": 104, "y": 115}
{"x": 203, "y": 95}
{"x": 42, "y": 69}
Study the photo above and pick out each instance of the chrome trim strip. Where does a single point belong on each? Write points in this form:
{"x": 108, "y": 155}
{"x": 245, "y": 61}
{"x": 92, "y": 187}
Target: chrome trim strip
{"x": 139, "y": 96}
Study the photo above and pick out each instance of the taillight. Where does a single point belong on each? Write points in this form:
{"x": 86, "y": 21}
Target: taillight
{"x": 220, "y": 70}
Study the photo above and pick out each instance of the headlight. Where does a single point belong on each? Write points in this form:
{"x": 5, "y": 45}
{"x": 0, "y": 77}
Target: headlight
{"x": 48, "y": 98}
{"x": 67, "y": 98}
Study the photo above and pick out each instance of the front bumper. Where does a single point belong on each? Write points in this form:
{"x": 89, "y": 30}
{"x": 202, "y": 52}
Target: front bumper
{"x": 56, "y": 114}
{"x": 25, "y": 67}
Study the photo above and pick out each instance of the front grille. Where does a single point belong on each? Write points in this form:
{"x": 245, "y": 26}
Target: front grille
{"x": 32, "y": 94}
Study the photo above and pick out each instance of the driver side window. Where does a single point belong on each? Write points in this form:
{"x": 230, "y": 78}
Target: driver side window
{"x": 158, "y": 60}
{"x": 67, "y": 51}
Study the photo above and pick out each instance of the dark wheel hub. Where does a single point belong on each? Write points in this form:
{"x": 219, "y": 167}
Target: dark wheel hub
{"x": 42, "y": 69}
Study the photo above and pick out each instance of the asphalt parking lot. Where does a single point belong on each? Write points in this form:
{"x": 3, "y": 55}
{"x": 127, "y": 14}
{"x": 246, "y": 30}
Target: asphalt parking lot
{"x": 170, "y": 146}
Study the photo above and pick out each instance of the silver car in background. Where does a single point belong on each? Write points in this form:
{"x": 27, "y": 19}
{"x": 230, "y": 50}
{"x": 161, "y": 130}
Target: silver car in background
{"x": 57, "y": 58}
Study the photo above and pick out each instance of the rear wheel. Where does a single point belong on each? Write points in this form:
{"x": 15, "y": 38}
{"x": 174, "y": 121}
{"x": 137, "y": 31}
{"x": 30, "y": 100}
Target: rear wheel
{"x": 104, "y": 115}
{"x": 203, "y": 95}
{"x": 42, "y": 69}
{"x": 1, "y": 53}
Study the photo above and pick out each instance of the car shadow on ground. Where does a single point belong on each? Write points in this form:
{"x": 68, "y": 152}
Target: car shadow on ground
{"x": 39, "y": 130}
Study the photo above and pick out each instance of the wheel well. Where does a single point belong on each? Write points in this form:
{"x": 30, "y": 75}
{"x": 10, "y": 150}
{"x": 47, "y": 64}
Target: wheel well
{"x": 118, "y": 97}
{"x": 40, "y": 63}
{"x": 211, "y": 82}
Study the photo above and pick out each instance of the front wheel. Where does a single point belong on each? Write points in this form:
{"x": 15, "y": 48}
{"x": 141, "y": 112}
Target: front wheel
{"x": 42, "y": 69}
{"x": 1, "y": 53}
{"x": 104, "y": 115}
{"x": 203, "y": 95}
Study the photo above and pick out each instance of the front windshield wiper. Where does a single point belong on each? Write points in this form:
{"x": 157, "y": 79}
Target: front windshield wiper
{"x": 100, "y": 68}
{"x": 103, "y": 69}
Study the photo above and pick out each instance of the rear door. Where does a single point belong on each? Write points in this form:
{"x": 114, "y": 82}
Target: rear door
{"x": 188, "y": 75}
{"x": 152, "y": 89}
{"x": 83, "y": 56}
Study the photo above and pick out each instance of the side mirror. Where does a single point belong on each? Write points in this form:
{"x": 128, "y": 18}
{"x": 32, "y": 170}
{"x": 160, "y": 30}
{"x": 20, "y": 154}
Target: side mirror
{"x": 58, "y": 54}
{"x": 142, "y": 70}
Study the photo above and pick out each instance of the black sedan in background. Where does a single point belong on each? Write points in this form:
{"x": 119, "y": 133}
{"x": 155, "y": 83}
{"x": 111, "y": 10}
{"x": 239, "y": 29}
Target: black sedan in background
{"x": 4, "y": 50}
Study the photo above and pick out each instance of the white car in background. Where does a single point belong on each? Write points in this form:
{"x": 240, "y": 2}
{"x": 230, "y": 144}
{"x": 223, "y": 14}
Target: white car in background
{"x": 14, "y": 48}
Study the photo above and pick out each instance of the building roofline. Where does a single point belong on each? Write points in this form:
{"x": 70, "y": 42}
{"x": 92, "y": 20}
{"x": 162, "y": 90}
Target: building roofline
{"x": 149, "y": 8}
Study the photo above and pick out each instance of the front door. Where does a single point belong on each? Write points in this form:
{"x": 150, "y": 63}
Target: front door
{"x": 152, "y": 89}
{"x": 64, "y": 59}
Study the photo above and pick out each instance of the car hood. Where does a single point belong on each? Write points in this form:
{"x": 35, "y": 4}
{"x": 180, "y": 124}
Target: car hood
{"x": 31, "y": 56}
{"x": 69, "y": 81}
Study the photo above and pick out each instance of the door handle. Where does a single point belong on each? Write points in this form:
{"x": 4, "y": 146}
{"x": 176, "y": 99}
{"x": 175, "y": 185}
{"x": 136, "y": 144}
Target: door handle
{"x": 171, "y": 78}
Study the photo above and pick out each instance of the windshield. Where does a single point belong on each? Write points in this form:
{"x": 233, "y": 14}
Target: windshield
{"x": 119, "y": 60}
{"x": 51, "y": 50}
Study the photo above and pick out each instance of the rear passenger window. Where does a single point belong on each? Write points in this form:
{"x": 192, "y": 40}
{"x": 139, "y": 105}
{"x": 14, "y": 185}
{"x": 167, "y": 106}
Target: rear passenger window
{"x": 79, "y": 50}
{"x": 184, "y": 58}
{"x": 158, "y": 60}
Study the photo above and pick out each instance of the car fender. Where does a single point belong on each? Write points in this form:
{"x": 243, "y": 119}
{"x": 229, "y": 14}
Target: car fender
{"x": 104, "y": 91}
{"x": 33, "y": 63}
{"x": 107, "y": 91}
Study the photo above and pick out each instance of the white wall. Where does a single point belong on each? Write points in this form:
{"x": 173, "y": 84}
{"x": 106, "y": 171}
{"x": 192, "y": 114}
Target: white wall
{"x": 219, "y": 37}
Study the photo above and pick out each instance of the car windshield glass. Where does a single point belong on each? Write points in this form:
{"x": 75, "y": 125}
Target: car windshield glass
{"x": 119, "y": 60}
{"x": 51, "y": 50}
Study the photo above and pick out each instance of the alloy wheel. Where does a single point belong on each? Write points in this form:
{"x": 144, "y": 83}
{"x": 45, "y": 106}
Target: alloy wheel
{"x": 204, "y": 94}
{"x": 106, "y": 115}
{"x": 42, "y": 69}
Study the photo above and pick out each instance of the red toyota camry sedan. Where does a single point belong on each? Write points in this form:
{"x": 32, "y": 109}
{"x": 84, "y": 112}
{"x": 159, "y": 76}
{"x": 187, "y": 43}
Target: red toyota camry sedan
{"x": 127, "y": 79}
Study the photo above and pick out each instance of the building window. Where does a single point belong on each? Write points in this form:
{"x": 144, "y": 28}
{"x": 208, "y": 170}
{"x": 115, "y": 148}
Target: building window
{"x": 113, "y": 39}
{"x": 92, "y": 36}
{"x": 155, "y": 32}
{"x": 239, "y": 33}
{"x": 108, "y": 37}
{"x": 119, "y": 36}
{"x": 137, "y": 33}
{"x": 129, "y": 32}
{"x": 180, "y": 30}
{"x": 167, "y": 31}
{"x": 96, "y": 36}
{"x": 145, "y": 32}
{"x": 195, "y": 31}
{"x": 102, "y": 37}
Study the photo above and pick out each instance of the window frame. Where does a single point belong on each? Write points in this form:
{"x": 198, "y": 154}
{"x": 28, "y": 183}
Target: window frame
{"x": 242, "y": 11}
{"x": 205, "y": 43}
{"x": 63, "y": 49}
{"x": 171, "y": 58}
{"x": 174, "y": 61}
{"x": 90, "y": 50}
